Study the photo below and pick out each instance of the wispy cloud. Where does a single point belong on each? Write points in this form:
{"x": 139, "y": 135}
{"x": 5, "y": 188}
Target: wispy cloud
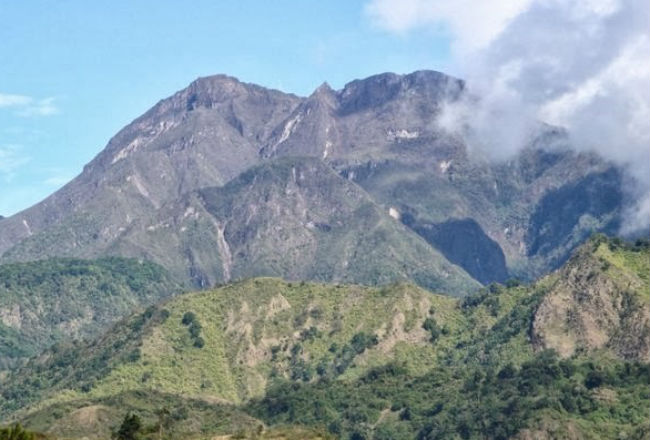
{"x": 473, "y": 24}
{"x": 42, "y": 107}
{"x": 7, "y": 100}
{"x": 11, "y": 158}
{"x": 27, "y": 106}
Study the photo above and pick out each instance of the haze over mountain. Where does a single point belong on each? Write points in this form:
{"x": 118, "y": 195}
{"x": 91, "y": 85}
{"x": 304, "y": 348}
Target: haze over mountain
{"x": 227, "y": 180}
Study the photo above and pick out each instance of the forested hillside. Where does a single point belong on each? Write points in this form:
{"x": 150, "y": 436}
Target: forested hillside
{"x": 396, "y": 362}
{"x": 60, "y": 300}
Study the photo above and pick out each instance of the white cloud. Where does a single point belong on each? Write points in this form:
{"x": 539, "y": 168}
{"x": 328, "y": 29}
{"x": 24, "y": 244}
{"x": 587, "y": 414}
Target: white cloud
{"x": 580, "y": 64}
{"x": 43, "y": 107}
{"x": 27, "y": 106}
{"x": 14, "y": 100}
{"x": 472, "y": 24}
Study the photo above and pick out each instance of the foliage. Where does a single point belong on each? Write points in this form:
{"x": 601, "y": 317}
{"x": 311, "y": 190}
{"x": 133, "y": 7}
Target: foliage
{"x": 385, "y": 363}
{"x": 130, "y": 429}
{"x": 16, "y": 432}
{"x": 56, "y": 297}
{"x": 194, "y": 327}
{"x": 477, "y": 403}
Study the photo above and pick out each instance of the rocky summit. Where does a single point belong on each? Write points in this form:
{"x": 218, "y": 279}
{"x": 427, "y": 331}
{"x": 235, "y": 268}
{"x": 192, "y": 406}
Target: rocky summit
{"x": 226, "y": 180}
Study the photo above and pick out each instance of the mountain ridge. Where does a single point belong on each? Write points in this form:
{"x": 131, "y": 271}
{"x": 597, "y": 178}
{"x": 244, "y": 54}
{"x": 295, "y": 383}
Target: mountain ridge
{"x": 378, "y": 133}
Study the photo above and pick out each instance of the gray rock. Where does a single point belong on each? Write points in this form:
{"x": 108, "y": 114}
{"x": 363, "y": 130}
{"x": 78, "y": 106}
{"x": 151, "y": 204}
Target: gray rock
{"x": 199, "y": 184}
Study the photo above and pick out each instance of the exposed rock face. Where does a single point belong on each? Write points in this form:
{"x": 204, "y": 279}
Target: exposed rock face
{"x": 597, "y": 303}
{"x": 293, "y": 217}
{"x": 141, "y": 196}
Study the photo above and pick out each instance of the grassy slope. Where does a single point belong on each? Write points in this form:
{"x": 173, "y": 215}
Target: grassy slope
{"x": 252, "y": 330}
{"x": 294, "y": 349}
{"x": 47, "y": 301}
{"x": 600, "y": 303}
{"x": 625, "y": 260}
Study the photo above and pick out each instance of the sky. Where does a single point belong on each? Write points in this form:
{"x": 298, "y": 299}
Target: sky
{"x": 72, "y": 73}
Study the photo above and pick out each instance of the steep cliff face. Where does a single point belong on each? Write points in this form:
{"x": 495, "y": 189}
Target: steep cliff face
{"x": 600, "y": 301}
{"x": 379, "y": 134}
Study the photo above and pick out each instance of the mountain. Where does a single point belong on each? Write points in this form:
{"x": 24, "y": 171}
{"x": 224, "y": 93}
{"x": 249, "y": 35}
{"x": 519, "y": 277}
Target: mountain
{"x": 148, "y": 193}
{"x": 391, "y": 362}
{"x": 58, "y": 300}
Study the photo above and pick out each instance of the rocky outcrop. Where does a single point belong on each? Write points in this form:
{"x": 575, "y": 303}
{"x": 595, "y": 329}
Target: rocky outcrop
{"x": 597, "y": 303}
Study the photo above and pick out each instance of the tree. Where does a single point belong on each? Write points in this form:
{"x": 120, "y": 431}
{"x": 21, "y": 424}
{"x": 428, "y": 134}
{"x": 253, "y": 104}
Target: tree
{"x": 130, "y": 428}
{"x": 188, "y": 318}
{"x": 15, "y": 432}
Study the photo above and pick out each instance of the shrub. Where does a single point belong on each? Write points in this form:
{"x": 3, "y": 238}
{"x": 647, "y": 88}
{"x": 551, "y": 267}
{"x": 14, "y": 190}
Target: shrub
{"x": 188, "y": 318}
{"x": 130, "y": 428}
{"x": 16, "y": 432}
{"x": 433, "y": 328}
{"x": 199, "y": 342}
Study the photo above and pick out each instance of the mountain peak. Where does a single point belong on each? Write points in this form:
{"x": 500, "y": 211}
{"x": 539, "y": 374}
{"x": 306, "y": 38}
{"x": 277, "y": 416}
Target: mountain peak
{"x": 324, "y": 94}
{"x": 215, "y": 88}
{"x": 383, "y": 88}
{"x": 324, "y": 88}
{"x": 218, "y": 78}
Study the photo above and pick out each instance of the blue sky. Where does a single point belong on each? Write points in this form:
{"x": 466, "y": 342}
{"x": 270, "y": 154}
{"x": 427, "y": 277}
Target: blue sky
{"x": 72, "y": 72}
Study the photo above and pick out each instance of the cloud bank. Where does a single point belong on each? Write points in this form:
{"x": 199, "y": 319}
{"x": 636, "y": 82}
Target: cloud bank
{"x": 580, "y": 64}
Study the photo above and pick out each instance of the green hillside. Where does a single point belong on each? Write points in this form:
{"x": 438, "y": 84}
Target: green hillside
{"x": 395, "y": 362}
{"x": 48, "y": 301}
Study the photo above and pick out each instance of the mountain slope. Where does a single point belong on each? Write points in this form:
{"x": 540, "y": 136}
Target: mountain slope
{"x": 600, "y": 301}
{"x": 380, "y": 133}
{"x": 298, "y": 218}
{"x": 202, "y": 136}
{"x": 395, "y": 362}
{"x": 249, "y": 332}
{"x": 294, "y": 218}
{"x": 50, "y": 301}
